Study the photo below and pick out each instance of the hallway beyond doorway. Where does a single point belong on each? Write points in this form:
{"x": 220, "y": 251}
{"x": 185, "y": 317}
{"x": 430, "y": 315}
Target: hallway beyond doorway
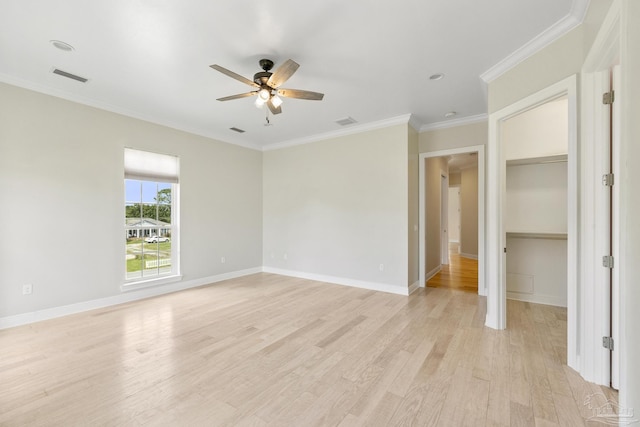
{"x": 461, "y": 273}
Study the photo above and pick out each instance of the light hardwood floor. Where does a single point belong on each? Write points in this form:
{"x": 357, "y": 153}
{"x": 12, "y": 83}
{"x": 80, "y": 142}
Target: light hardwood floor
{"x": 461, "y": 273}
{"x": 267, "y": 350}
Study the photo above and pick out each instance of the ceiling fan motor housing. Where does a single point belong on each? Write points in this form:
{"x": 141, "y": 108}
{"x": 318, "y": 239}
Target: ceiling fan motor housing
{"x": 266, "y": 64}
{"x": 261, "y": 77}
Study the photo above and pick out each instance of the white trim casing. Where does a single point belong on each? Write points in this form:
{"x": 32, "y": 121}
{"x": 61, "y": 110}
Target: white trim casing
{"x": 414, "y": 287}
{"x": 496, "y": 233}
{"x": 374, "y": 286}
{"x": 537, "y": 299}
{"x": 349, "y": 130}
{"x": 430, "y": 274}
{"x": 74, "y": 97}
{"x": 454, "y": 123}
{"x": 134, "y": 295}
{"x": 548, "y": 36}
{"x": 595, "y": 297}
{"x": 482, "y": 280}
{"x": 595, "y": 361}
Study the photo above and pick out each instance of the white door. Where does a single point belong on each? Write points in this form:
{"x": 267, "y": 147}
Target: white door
{"x": 614, "y": 229}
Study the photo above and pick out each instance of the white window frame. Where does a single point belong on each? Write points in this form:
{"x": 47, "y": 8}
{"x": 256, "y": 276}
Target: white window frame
{"x": 160, "y": 168}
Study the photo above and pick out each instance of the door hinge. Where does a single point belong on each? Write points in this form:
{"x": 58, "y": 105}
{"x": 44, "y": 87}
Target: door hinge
{"x": 607, "y": 261}
{"x": 607, "y": 180}
{"x": 607, "y": 342}
{"x": 608, "y": 98}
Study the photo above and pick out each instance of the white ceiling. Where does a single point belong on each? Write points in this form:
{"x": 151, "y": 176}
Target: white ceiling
{"x": 372, "y": 60}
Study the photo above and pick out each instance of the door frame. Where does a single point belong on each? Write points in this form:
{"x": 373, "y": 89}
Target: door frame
{"x": 595, "y": 361}
{"x": 480, "y": 149}
{"x": 496, "y": 189}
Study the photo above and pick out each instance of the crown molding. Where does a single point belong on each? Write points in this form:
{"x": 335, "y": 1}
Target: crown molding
{"x": 579, "y": 9}
{"x": 350, "y": 130}
{"x": 414, "y": 123}
{"x": 455, "y": 122}
{"x": 548, "y": 36}
{"x": 69, "y": 96}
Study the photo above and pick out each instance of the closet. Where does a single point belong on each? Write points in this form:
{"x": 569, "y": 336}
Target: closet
{"x": 535, "y": 215}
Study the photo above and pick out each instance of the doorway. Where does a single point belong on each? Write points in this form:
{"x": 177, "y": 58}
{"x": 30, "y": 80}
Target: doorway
{"x": 478, "y": 152}
{"x": 496, "y": 208}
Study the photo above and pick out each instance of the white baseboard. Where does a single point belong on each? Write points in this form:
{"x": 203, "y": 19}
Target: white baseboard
{"x": 430, "y": 274}
{"x": 470, "y": 256}
{"x": 383, "y": 287}
{"x": 414, "y": 287}
{"x": 51, "y": 313}
{"x": 538, "y": 299}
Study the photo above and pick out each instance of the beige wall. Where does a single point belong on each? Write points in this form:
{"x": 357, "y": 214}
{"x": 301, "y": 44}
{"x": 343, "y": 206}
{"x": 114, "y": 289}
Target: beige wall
{"x": 540, "y": 132}
{"x": 62, "y": 186}
{"x": 454, "y": 137}
{"x": 339, "y": 207}
{"x": 455, "y": 178}
{"x": 435, "y": 167}
{"x": 469, "y": 212}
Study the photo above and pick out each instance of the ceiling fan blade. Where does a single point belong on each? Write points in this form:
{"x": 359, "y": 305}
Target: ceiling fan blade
{"x": 240, "y": 95}
{"x": 283, "y": 73}
{"x": 301, "y": 94}
{"x": 273, "y": 108}
{"x": 234, "y": 75}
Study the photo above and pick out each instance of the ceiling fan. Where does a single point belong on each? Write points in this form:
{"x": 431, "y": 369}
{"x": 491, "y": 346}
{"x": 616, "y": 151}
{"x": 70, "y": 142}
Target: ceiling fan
{"x": 267, "y": 85}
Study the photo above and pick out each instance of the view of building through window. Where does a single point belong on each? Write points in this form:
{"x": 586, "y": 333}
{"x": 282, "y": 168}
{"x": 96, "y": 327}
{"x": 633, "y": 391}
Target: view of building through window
{"x": 148, "y": 221}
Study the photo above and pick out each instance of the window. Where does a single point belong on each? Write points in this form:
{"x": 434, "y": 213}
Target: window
{"x": 151, "y": 232}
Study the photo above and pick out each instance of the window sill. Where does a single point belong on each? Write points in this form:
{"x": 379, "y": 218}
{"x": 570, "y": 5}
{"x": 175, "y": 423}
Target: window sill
{"x": 149, "y": 283}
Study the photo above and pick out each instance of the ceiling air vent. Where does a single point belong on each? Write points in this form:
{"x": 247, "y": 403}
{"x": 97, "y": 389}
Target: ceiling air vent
{"x": 235, "y": 129}
{"x": 346, "y": 121}
{"x": 69, "y": 75}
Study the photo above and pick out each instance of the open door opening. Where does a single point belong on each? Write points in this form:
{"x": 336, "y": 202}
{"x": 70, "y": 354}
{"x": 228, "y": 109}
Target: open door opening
{"x": 550, "y": 226}
{"x": 452, "y": 257}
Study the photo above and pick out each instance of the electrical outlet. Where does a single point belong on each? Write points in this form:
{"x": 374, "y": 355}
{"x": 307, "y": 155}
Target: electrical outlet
{"x": 284, "y": 257}
{"x": 222, "y": 260}
{"x": 381, "y": 267}
{"x": 27, "y": 289}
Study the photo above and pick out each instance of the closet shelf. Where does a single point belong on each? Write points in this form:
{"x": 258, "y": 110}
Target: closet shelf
{"x": 536, "y": 235}
{"x": 560, "y": 158}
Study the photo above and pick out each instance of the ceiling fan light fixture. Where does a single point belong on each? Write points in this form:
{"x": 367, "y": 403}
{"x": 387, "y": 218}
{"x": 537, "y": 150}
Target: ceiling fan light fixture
{"x": 264, "y": 94}
{"x": 276, "y": 101}
{"x": 259, "y": 102}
